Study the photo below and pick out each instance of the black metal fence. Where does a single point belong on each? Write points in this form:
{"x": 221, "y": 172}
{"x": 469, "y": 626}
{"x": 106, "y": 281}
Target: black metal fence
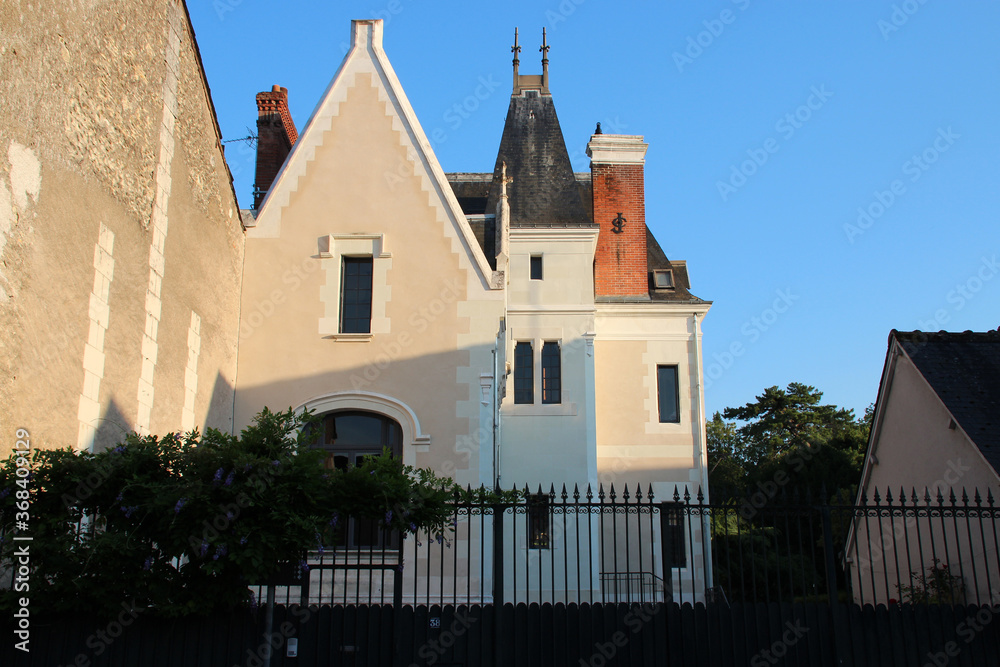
{"x": 612, "y": 578}
{"x": 630, "y": 546}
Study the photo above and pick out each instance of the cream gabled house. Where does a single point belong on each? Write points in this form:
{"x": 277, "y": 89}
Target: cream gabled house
{"x": 515, "y": 327}
{"x": 934, "y": 442}
{"x": 518, "y": 327}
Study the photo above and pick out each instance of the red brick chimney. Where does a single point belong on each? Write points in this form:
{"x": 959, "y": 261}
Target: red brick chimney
{"x": 276, "y": 134}
{"x": 617, "y": 173}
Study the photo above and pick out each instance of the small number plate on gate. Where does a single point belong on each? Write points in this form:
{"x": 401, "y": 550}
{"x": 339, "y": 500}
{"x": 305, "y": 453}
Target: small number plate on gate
{"x": 435, "y": 622}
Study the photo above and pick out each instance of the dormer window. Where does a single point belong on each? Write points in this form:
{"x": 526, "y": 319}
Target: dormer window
{"x": 663, "y": 279}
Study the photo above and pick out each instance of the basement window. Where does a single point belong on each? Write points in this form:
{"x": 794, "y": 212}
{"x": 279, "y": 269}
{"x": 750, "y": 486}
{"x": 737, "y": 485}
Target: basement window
{"x": 663, "y": 279}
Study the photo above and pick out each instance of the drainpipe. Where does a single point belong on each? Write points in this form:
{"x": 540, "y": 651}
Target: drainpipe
{"x": 701, "y": 441}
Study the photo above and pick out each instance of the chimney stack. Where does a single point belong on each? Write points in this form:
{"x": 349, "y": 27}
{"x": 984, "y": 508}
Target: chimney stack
{"x": 276, "y": 134}
{"x": 617, "y": 173}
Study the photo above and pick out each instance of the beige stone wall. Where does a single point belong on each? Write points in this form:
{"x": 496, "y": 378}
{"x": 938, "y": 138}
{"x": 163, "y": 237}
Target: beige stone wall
{"x": 632, "y": 445}
{"x": 106, "y": 121}
{"x": 356, "y": 185}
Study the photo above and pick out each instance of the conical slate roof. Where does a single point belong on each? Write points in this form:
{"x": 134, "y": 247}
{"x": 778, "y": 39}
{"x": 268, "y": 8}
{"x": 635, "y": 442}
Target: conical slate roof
{"x": 544, "y": 191}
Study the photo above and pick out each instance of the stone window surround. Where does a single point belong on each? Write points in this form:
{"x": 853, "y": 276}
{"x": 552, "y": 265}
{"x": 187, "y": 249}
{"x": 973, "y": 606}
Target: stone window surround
{"x": 332, "y": 249}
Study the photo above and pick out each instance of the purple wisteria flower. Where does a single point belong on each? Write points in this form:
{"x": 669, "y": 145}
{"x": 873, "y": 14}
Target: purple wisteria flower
{"x": 253, "y": 602}
{"x": 304, "y": 566}
{"x": 334, "y": 519}
{"x": 128, "y": 511}
{"x": 180, "y": 504}
{"x": 148, "y": 564}
{"x": 218, "y": 476}
{"x": 388, "y": 517}
{"x": 246, "y": 467}
{"x": 229, "y": 478}
{"x": 220, "y": 551}
{"x": 276, "y": 463}
{"x": 204, "y": 548}
{"x": 243, "y": 540}
{"x": 119, "y": 449}
{"x": 413, "y": 528}
{"x": 4, "y": 493}
{"x": 118, "y": 498}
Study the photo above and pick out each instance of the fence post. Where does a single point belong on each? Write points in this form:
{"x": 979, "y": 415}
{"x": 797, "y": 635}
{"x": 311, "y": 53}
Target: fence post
{"x": 498, "y": 583}
{"x": 831, "y": 570}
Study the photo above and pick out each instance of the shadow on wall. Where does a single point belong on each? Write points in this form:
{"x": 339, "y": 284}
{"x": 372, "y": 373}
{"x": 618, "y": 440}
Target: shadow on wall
{"x": 112, "y": 428}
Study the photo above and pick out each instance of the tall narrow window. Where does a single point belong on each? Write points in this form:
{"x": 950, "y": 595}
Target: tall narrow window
{"x": 539, "y": 520}
{"x": 551, "y": 373}
{"x": 536, "y": 267}
{"x": 356, "y": 295}
{"x": 674, "y": 543}
{"x": 666, "y": 386}
{"x": 524, "y": 373}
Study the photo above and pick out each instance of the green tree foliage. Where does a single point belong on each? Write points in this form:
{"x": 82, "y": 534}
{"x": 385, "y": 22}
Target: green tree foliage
{"x": 184, "y": 524}
{"x": 787, "y": 438}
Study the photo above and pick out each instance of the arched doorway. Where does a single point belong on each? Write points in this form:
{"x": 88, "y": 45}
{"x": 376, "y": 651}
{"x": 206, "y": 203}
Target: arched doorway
{"x": 347, "y": 437}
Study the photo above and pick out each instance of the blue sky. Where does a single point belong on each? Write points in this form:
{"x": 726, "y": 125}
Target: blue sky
{"x": 829, "y": 170}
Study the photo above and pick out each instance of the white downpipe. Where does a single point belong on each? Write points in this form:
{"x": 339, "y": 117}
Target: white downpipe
{"x": 702, "y": 444}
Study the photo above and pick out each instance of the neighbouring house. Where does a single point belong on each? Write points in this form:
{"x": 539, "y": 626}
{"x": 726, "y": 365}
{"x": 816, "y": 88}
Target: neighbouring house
{"x": 935, "y": 443}
{"x": 518, "y": 327}
{"x": 121, "y": 245}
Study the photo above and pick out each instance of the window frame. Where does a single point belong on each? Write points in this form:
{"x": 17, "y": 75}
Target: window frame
{"x": 535, "y": 262}
{"x": 551, "y": 395}
{"x": 538, "y": 519}
{"x": 524, "y": 373}
{"x": 676, "y": 394}
{"x": 663, "y": 272}
{"x": 673, "y": 523}
{"x": 350, "y": 261}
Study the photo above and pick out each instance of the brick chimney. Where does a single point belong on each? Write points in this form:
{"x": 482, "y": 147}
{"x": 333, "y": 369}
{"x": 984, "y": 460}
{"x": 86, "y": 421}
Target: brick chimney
{"x": 617, "y": 173}
{"x": 276, "y": 134}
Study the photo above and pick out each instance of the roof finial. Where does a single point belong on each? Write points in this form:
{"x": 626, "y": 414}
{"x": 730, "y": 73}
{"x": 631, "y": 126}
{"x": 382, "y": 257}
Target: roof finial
{"x": 544, "y": 48}
{"x": 517, "y": 61}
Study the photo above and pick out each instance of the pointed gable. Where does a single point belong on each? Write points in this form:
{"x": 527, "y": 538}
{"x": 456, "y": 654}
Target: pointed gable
{"x": 366, "y": 89}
